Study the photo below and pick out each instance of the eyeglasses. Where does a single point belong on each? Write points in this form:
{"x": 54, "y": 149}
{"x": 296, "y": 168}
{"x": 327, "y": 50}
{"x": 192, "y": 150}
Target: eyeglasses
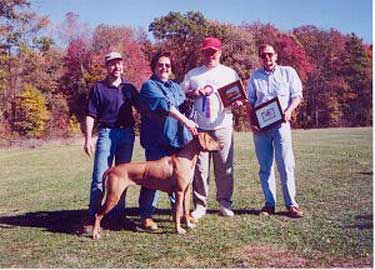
{"x": 264, "y": 55}
{"x": 160, "y": 65}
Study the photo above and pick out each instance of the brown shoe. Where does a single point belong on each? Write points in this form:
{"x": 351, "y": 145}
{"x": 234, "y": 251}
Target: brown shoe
{"x": 295, "y": 212}
{"x": 148, "y": 224}
{"x": 267, "y": 210}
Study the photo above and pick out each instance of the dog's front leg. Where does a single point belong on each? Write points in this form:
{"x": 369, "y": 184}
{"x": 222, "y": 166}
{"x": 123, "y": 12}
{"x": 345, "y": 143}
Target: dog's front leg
{"x": 97, "y": 229}
{"x": 178, "y": 215}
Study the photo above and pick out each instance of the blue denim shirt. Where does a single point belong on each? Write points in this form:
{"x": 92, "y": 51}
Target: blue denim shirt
{"x": 158, "y": 129}
{"x": 282, "y": 82}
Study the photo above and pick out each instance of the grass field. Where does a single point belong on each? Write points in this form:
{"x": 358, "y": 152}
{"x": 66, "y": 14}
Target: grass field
{"x": 45, "y": 190}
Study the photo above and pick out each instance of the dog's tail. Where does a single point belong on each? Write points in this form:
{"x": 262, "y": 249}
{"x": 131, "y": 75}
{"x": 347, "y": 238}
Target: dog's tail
{"x": 104, "y": 178}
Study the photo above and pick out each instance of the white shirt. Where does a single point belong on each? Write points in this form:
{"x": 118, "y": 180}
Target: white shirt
{"x": 210, "y": 112}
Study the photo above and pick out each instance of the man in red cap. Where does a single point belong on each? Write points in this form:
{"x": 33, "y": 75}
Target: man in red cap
{"x": 201, "y": 84}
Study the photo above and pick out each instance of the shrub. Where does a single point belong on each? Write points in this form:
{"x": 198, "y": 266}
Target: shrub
{"x": 30, "y": 113}
{"x": 73, "y": 127}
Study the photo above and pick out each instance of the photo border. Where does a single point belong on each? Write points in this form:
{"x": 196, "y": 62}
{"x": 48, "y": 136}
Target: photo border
{"x": 227, "y": 98}
{"x": 272, "y": 102}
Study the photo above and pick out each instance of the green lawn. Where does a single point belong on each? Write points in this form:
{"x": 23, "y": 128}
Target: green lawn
{"x": 45, "y": 190}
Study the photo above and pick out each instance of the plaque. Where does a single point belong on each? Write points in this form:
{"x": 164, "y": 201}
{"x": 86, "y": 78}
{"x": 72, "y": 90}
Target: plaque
{"x": 268, "y": 114}
{"x": 232, "y": 92}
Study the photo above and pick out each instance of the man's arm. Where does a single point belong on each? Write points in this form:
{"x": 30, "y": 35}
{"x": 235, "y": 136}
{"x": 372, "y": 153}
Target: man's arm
{"x": 88, "y": 146}
{"x": 196, "y": 93}
{"x": 288, "y": 112}
{"x": 295, "y": 93}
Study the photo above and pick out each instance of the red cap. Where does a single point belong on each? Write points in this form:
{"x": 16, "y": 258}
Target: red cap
{"x": 211, "y": 43}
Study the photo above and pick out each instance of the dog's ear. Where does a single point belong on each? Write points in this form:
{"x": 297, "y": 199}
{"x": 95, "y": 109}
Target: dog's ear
{"x": 201, "y": 140}
{"x": 207, "y": 143}
{"x": 211, "y": 144}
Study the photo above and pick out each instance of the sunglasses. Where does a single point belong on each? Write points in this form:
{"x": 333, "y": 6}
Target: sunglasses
{"x": 264, "y": 55}
{"x": 160, "y": 65}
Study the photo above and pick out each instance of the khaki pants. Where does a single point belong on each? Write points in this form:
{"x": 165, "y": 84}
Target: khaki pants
{"x": 223, "y": 170}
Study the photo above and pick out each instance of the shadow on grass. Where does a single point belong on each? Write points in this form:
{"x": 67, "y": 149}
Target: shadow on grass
{"x": 255, "y": 212}
{"x": 366, "y": 173}
{"x": 64, "y": 221}
{"x": 362, "y": 222}
{"x": 238, "y": 212}
{"x": 70, "y": 221}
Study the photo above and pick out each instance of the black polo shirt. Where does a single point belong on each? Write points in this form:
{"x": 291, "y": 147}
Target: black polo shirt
{"x": 111, "y": 105}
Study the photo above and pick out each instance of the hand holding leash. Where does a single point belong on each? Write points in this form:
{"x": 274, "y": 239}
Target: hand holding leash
{"x": 191, "y": 126}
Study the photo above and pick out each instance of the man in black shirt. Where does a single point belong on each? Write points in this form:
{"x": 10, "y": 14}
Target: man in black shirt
{"x": 109, "y": 104}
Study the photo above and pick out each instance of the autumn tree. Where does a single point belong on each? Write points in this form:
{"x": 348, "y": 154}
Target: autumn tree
{"x": 182, "y": 34}
{"x": 290, "y": 53}
{"x": 72, "y": 28}
{"x": 318, "y": 44}
{"x": 238, "y": 47}
{"x": 73, "y": 82}
{"x": 336, "y": 69}
{"x": 84, "y": 63}
{"x": 238, "y": 52}
{"x": 41, "y": 67}
{"x": 19, "y": 28}
{"x": 357, "y": 70}
{"x": 329, "y": 92}
{"x": 132, "y": 44}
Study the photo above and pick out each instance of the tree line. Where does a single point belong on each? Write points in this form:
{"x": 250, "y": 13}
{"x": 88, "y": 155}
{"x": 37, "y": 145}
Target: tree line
{"x": 45, "y": 77}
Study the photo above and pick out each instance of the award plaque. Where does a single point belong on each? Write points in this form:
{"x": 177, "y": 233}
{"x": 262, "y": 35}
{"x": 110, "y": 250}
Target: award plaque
{"x": 232, "y": 92}
{"x": 268, "y": 114}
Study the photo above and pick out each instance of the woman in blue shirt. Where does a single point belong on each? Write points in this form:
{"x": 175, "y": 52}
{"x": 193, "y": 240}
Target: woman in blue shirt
{"x": 164, "y": 129}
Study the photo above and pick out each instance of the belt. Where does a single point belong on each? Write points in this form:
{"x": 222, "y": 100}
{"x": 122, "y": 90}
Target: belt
{"x": 118, "y": 127}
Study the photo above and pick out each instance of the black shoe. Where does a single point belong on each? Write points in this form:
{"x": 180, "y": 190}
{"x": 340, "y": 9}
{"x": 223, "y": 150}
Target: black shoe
{"x": 267, "y": 210}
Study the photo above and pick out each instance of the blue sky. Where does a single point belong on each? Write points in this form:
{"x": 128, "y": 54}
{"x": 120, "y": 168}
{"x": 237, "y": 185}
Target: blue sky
{"x": 345, "y": 15}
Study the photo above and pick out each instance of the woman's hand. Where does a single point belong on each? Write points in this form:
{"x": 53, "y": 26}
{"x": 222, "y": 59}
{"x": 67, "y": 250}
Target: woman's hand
{"x": 191, "y": 126}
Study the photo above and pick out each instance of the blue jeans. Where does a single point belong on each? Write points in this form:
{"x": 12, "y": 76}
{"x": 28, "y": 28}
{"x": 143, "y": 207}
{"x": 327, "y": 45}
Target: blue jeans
{"x": 112, "y": 143}
{"x": 276, "y": 144}
{"x": 148, "y": 198}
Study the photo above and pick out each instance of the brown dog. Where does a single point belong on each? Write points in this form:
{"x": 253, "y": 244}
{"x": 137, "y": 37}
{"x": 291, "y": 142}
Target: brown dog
{"x": 169, "y": 174}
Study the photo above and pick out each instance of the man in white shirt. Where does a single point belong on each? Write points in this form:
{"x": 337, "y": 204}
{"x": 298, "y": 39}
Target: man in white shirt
{"x": 201, "y": 84}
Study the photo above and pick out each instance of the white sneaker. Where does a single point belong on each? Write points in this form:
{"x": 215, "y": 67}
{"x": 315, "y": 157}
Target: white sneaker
{"x": 226, "y": 212}
{"x": 199, "y": 211}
